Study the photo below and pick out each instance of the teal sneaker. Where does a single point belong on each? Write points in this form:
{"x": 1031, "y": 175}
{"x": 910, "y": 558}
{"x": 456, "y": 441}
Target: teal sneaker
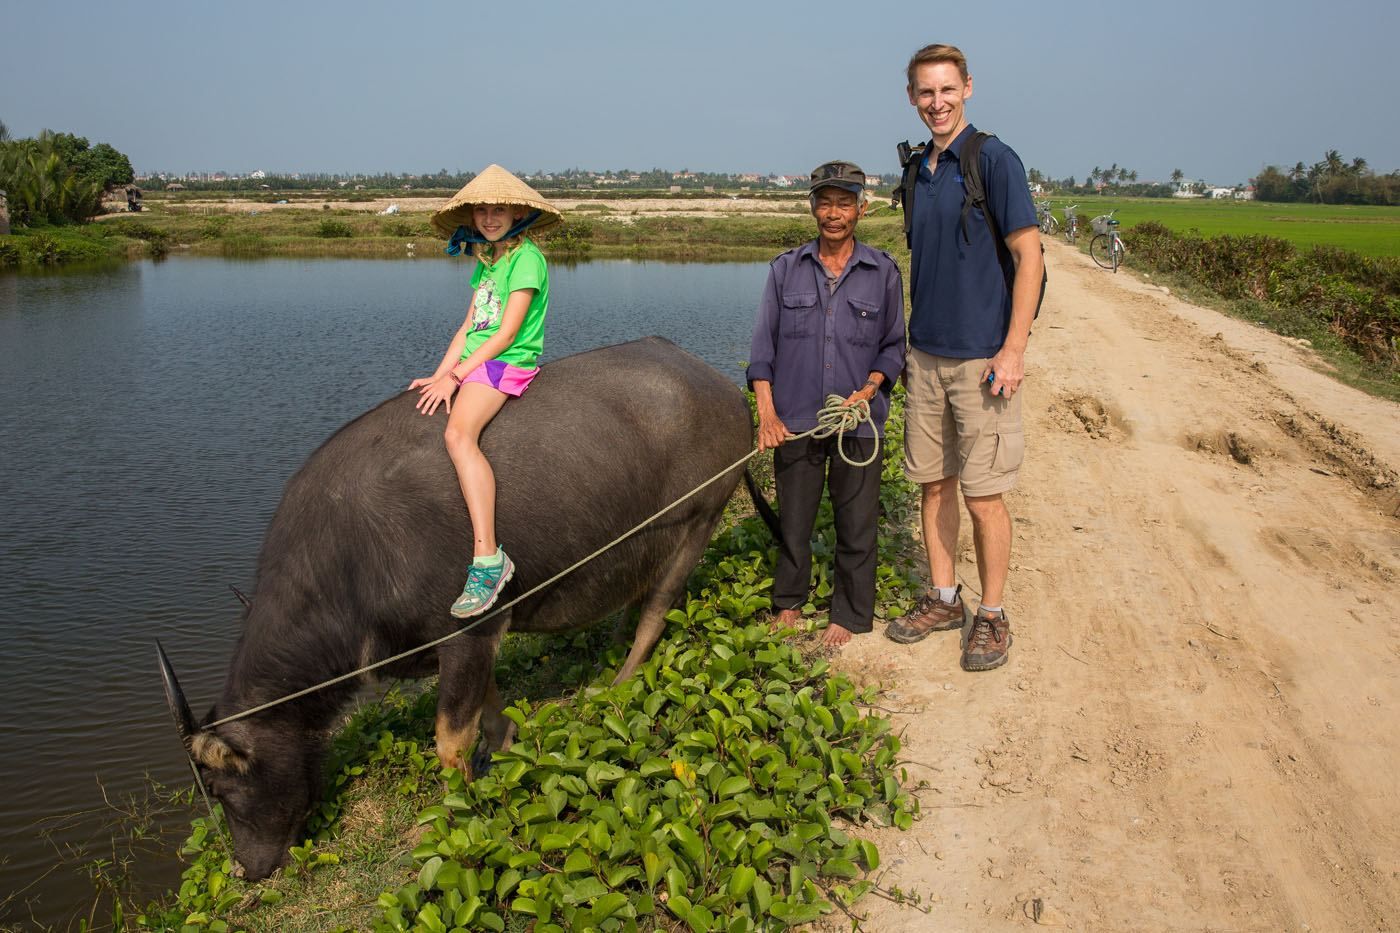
{"x": 484, "y": 585}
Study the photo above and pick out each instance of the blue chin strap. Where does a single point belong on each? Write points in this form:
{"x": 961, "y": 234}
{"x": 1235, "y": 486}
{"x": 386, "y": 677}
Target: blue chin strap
{"x": 464, "y": 235}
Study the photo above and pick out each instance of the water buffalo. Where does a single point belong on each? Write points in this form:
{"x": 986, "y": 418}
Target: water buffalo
{"x": 370, "y": 544}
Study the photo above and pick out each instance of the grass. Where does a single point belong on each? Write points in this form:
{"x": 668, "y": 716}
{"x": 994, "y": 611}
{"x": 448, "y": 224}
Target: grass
{"x": 1366, "y": 229}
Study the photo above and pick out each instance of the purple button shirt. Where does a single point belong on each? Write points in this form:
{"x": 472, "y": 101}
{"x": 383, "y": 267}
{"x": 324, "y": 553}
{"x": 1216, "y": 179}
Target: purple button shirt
{"x": 809, "y": 342}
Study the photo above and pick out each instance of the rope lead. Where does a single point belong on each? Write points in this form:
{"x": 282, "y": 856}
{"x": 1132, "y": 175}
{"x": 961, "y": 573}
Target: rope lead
{"x": 835, "y": 417}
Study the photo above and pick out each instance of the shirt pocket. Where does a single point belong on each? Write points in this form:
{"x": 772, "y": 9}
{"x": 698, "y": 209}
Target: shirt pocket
{"x": 799, "y": 315}
{"x": 864, "y": 319}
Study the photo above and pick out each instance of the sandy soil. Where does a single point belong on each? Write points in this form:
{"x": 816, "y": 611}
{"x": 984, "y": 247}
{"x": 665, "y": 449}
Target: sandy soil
{"x": 1197, "y": 729}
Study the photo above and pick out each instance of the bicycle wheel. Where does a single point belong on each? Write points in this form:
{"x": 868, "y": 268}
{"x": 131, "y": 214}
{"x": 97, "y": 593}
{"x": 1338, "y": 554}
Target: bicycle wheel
{"x": 1117, "y": 253}
{"x": 1071, "y": 232}
{"x": 1101, "y": 248}
{"x": 1052, "y": 226}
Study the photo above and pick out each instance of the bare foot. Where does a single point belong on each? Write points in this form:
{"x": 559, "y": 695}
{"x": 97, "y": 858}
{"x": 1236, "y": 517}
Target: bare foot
{"x": 836, "y": 636}
{"x": 786, "y": 618}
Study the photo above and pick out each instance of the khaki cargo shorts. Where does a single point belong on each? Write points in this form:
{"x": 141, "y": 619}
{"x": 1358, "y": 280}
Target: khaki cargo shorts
{"x": 954, "y": 426}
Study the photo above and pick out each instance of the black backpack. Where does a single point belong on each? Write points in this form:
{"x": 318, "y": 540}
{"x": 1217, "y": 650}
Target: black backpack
{"x": 911, "y": 159}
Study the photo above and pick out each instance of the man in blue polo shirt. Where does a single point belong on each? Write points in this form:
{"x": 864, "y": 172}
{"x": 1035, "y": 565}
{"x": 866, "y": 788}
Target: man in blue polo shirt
{"x": 967, "y": 345}
{"x": 831, "y": 322}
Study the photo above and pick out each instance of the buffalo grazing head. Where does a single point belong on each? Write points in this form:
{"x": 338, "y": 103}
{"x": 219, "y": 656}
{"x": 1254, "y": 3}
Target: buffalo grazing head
{"x": 264, "y": 771}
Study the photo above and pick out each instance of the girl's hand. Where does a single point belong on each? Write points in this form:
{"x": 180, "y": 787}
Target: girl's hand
{"x": 435, "y": 393}
{"x": 425, "y": 381}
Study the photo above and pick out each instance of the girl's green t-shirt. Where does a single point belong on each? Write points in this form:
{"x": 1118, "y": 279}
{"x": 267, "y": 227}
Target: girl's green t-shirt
{"x": 523, "y": 267}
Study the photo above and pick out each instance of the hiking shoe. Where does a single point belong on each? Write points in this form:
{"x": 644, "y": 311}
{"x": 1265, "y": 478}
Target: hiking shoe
{"x": 988, "y": 644}
{"x": 484, "y": 584}
{"x": 930, "y": 614}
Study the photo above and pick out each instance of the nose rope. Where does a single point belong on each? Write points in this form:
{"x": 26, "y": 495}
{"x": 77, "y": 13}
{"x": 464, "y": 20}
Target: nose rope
{"x": 834, "y": 418}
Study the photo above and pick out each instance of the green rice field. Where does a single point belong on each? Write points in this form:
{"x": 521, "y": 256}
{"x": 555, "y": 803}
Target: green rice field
{"x": 1370, "y": 230}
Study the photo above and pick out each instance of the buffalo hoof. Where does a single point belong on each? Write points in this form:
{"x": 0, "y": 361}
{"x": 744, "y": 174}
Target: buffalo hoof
{"x": 481, "y": 761}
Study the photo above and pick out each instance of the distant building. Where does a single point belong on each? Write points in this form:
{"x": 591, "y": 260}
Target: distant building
{"x": 258, "y": 174}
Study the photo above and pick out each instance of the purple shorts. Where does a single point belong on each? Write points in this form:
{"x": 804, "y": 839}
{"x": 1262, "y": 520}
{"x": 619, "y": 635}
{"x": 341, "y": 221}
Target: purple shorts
{"x": 512, "y": 380}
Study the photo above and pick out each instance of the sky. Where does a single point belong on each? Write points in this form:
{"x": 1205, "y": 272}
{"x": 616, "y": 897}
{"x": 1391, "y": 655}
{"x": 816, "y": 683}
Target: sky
{"x": 1217, "y": 89}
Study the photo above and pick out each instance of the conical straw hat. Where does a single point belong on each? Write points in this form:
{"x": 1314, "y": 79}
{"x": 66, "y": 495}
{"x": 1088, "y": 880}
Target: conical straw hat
{"x": 493, "y": 186}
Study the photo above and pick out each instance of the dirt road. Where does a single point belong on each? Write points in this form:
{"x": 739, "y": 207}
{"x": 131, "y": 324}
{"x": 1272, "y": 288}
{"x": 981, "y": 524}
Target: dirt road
{"x": 1199, "y": 727}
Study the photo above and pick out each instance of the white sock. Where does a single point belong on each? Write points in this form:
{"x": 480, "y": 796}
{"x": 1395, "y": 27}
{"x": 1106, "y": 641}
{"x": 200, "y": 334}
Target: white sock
{"x": 990, "y": 610}
{"x": 949, "y": 594}
{"x": 494, "y": 560}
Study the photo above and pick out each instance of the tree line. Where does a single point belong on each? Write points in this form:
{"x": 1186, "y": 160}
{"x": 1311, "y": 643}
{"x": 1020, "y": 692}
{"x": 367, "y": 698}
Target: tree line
{"x": 1332, "y": 180}
{"x": 1119, "y": 179}
{"x": 57, "y": 178}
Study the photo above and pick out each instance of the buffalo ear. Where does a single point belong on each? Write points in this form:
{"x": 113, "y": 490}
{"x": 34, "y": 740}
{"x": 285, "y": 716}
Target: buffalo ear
{"x": 210, "y": 750}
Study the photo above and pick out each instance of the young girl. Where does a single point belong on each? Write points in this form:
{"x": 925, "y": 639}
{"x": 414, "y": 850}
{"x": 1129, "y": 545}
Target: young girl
{"x": 492, "y": 357}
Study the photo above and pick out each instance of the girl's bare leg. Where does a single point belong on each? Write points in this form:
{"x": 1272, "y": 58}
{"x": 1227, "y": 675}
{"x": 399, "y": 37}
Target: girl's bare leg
{"x": 473, "y": 409}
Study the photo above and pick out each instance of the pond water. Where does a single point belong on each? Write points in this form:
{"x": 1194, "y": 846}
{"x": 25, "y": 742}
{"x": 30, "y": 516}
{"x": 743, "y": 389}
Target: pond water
{"x": 151, "y": 414}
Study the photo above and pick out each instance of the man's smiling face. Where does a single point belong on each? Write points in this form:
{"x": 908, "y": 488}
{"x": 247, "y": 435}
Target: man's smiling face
{"x": 939, "y": 93}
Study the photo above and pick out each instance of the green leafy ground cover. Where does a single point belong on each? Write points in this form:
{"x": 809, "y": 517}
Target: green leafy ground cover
{"x": 723, "y": 787}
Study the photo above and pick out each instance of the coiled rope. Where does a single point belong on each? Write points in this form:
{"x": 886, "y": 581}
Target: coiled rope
{"x": 834, "y": 418}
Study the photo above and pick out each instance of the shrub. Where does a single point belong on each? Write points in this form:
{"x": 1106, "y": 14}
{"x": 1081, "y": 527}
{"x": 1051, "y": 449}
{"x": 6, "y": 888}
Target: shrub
{"x": 10, "y": 251}
{"x": 1355, "y": 297}
{"x": 572, "y": 236}
{"x": 334, "y": 229}
{"x": 44, "y": 249}
{"x": 214, "y": 228}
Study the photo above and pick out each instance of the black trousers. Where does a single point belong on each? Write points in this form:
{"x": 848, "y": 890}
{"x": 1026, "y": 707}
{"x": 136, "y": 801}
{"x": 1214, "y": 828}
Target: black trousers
{"x": 801, "y": 470}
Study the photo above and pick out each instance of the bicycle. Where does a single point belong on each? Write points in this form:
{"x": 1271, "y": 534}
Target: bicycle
{"x": 1107, "y": 246}
{"x": 1048, "y": 224}
{"x": 1071, "y": 223}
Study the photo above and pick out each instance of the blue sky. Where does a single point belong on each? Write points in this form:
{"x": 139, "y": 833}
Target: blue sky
{"x": 1216, "y": 89}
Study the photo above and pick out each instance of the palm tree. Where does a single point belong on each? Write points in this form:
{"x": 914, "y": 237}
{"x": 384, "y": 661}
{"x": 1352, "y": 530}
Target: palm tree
{"x": 1094, "y": 175}
{"x": 1177, "y": 175}
{"x": 1132, "y": 176}
{"x": 1333, "y": 164}
{"x": 1358, "y": 166}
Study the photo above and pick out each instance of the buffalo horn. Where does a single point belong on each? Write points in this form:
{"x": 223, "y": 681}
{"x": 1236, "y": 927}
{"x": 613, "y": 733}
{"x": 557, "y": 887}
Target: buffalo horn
{"x": 247, "y": 603}
{"x": 175, "y": 699}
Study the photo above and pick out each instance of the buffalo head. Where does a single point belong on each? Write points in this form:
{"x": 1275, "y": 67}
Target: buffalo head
{"x": 265, "y": 771}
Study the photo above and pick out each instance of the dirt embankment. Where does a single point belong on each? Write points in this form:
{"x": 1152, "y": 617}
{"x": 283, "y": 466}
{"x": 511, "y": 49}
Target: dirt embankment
{"x": 1199, "y": 727}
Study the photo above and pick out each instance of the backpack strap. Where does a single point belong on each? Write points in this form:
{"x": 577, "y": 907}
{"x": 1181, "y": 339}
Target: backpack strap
{"x": 970, "y": 165}
{"x": 908, "y": 183}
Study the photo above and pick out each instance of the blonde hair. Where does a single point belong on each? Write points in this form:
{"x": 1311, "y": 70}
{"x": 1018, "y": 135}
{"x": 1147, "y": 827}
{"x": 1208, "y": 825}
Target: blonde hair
{"x": 931, "y": 54}
{"x": 482, "y": 251}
